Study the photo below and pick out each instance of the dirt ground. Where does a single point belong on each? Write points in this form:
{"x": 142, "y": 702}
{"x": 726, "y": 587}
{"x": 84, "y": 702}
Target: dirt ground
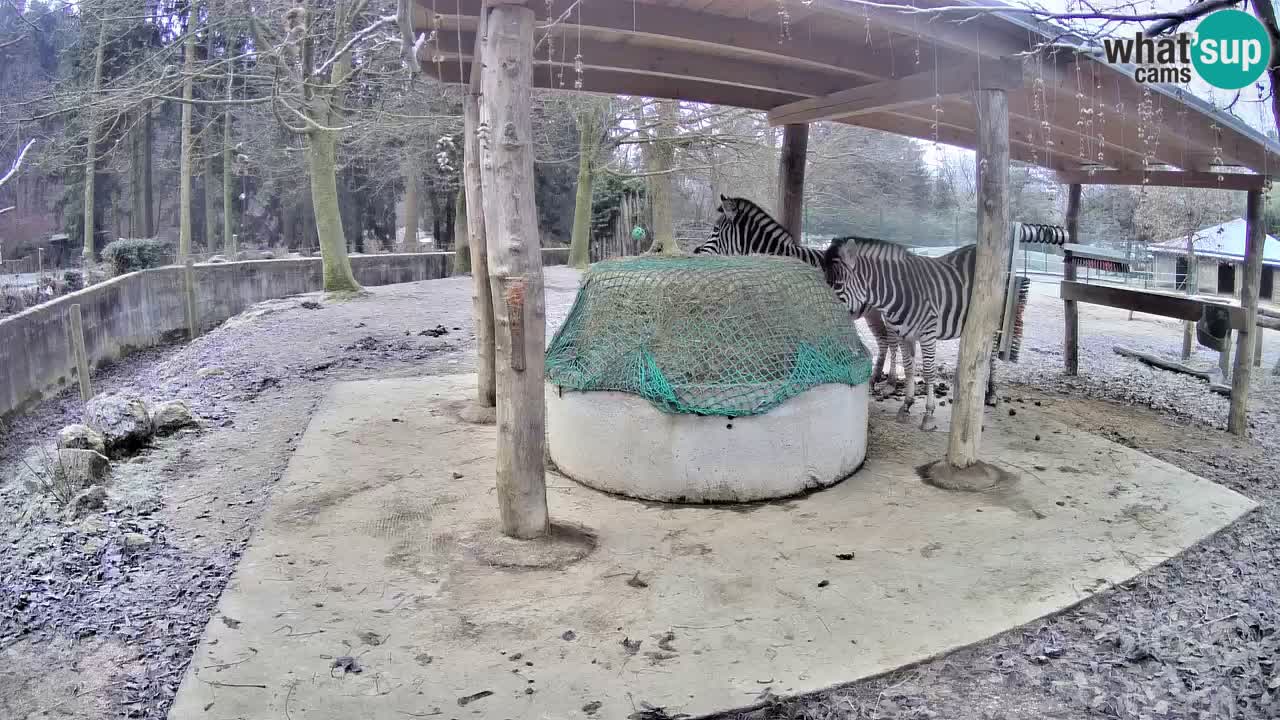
{"x": 91, "y": 627}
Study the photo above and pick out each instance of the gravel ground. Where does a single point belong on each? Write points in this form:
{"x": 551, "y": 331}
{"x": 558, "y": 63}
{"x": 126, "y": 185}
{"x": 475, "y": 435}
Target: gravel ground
{"x": 93, "y": 627}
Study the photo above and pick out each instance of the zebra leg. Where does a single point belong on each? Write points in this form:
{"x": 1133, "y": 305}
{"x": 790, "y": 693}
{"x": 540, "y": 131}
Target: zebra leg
{"x": 928, "y": 348}
{"x": 909, "y": 364}
{"x": 992, "y": 399}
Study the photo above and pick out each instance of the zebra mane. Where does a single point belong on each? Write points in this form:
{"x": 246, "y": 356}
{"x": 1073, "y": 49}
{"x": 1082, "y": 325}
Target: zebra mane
{"x": 865, "y": 247}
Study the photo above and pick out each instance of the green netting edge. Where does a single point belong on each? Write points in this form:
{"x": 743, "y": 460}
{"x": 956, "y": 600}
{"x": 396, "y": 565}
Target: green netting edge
{"x": 830, "y": 361}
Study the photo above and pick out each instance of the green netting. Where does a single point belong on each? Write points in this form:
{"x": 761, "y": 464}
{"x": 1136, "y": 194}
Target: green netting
{"x": 728, "y": 336}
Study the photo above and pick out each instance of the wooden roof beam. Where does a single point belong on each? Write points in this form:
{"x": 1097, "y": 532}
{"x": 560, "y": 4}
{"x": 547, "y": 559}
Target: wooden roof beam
{"x": 636, "y": 59}
{"x": 607, "y": 82}
{"x": 1166, "y": 178}
{"x": 920, "y": 88}
{"x": 718, "y": 34}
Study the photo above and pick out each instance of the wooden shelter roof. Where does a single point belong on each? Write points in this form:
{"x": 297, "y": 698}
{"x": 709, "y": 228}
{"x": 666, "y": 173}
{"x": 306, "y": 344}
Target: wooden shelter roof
{"x": 875, "y": 67}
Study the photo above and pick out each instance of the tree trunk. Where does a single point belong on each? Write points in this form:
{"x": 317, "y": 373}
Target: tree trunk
{"x": 588, "y": 135}
{"x": 983, "y": 315}
{"x": 150, "y": 211}
{"x": 184, "y": 164}
{"x": 211, "y": 191}
{"x": 91, "y": 147}
{"x": 322, "y": 154}
{"x": 481, "y": 293}
{"x": 228, "y": 185}
{"x": 411, "y": 192}
{"x": 662, "y": 162}
{"x": 511, "y": 220}
{"x": 137, "y": 210}
{"x": 462, "y": 245}
{"x": 1250, "y": 282}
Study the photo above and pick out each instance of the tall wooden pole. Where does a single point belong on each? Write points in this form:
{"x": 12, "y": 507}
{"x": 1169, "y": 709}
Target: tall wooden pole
{"x": 984, "y": 303}
{"x": 515, "y": 268}
{"x": 481, "y": 295}
{"x": 76, "y": 333}
{"x": 1255, "y": 236}
{"x": 795, "y": 146}
{"x": 1071, "y": 334}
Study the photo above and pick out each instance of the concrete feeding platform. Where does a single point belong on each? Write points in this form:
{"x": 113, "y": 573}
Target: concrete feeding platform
{"x": 371, "y": 550}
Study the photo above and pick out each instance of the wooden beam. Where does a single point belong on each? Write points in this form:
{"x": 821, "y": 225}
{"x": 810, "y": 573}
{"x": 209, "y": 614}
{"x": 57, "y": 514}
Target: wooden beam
{"x": 1178, "y": 307}
{"x": 694, "y": 63}
{"x": 608, "y": 82}
{"x": 716, "y": 33}
{"x": 1255, "y": 237}
{"x": 921, "y": 88}
{"x": 1070, "y": 311}
{"x": 791, "y": 166}
{"x": 515, "y": 269}
{"x": 1166, "y": 178}
{"x": 984, "y": 302}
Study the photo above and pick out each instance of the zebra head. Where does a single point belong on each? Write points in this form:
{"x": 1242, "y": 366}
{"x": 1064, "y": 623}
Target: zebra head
{"x": 841, "y": 277}
{"x": 720, "y": 242}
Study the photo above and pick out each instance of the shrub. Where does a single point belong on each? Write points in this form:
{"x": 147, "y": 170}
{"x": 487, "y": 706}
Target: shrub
{"x": 127, "y": 255}
{"x": 74, "y": 280}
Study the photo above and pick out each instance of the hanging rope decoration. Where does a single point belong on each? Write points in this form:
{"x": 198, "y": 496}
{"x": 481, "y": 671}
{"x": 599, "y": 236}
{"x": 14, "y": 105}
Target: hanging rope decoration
{"x": 1041, "y": 234}
{"x": 577, "y": 59}
{"x": 784, "y": 17}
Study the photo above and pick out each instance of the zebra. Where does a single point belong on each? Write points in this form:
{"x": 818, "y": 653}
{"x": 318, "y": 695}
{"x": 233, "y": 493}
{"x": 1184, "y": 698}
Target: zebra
{"x": 744, "y": 228}
{"x": 920, "y": 298}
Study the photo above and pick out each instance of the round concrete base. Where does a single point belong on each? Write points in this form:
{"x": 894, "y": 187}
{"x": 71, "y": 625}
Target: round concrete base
{"x": 620, "y": 443}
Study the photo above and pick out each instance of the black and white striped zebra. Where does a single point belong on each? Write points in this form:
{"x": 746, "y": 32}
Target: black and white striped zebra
{"x": 920, "y": 298}
{"x": 744, "y": 228}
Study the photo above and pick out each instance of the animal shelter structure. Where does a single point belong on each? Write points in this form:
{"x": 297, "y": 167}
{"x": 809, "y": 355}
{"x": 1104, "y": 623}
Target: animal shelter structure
{"x": 997, "y": 82}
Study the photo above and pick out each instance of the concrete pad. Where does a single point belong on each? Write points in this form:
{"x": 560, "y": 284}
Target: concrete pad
{"x": 621, "y": 443}
{"x": 370, "y": 549}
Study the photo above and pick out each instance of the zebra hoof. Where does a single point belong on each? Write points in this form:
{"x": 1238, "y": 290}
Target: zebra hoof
{"x": 928, "y": 423}
{"x": 992, "y": 400}
{"x": 904, "y": 416}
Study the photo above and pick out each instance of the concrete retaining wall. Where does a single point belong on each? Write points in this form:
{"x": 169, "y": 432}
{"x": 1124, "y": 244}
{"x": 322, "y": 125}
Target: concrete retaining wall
{"x": 145, "y": 308}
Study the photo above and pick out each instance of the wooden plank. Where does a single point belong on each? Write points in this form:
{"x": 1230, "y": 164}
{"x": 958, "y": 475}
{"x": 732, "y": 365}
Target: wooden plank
{"x": 75, "y": 330}
{"x": 613, "y": 82}
{"x": 984, "y": 303}
{"x": 690, "y": 63}
{"x": 1255, "y": 237}
{"x": 1071, "y": 333}
{"x": 1178, "y": 307}
{"x": 1166, "y": 178}
{"x": 920, "y": 88}
{"x": 791, "y": 166}
{"x": 1157, "y": 361}
{"x": 515, "y": 269}
{"x": 189, "y": 299}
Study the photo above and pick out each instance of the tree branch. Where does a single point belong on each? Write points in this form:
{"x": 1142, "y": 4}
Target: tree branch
{"x": 17, "y": 164}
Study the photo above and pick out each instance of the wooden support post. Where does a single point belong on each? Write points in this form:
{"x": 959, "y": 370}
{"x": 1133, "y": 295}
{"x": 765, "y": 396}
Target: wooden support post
{"x": 1255, "y": 236}
{"x": 76, "y": 333}
{"x": 985, "y": 302}
{"x": 481, "y": 295}
{"x": 795, "y": 147}
{"x": 1071, "y": 333}
{"x": 515, "y": 267}
{"x": 189, "y": 295}
{"x": 1257, "y": 349}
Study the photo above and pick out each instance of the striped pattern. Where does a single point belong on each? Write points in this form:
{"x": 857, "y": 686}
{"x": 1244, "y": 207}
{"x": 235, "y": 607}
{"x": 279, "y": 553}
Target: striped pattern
{"x": 744, "y": 228}
{"x": 920, "y": 298}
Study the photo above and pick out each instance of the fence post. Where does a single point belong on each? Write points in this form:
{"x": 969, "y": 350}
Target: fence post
{"x": 189, "y": 280}
{"x": 76, "y": 330}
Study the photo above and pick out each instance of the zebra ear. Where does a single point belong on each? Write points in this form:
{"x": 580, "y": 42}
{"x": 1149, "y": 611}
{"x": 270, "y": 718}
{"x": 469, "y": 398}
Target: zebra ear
{"x": 727, "y": 205}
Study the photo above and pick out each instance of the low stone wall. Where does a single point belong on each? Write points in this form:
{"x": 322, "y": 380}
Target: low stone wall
{"x": 146, "y": 308}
